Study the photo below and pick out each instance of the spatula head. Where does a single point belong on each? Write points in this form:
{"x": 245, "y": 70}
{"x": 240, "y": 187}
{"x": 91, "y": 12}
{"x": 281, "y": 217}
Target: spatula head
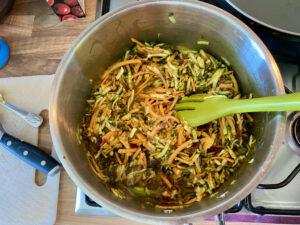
{"x": 197, "y": 110}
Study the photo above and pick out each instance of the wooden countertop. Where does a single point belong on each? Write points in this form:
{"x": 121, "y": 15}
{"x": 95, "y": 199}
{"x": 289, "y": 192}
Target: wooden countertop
{"x": 38, "y": 40}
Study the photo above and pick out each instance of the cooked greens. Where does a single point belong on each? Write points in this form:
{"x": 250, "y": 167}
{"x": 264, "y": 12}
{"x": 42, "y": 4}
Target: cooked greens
{"x": 135, "y": 143}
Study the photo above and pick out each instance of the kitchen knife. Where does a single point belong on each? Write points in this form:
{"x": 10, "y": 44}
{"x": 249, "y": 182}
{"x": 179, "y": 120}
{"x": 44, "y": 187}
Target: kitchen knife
{"x": 29, "y": 153}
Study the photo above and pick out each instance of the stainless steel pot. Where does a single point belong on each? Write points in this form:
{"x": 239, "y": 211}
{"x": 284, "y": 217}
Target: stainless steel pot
{"x": 104, "y": 42}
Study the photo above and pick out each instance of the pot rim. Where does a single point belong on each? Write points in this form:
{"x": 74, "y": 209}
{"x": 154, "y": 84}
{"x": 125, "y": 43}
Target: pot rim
{"x": 138, "y": 216}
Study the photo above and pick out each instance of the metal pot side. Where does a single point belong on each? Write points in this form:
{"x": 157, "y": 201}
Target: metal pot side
{"x": 104, "y": 42}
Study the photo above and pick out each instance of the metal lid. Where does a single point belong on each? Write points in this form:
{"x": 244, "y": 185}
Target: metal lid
{"x": 280, "y": 15}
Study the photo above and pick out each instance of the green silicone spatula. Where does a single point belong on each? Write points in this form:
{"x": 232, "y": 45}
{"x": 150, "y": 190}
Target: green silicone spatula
{"x": 199, "y": 109}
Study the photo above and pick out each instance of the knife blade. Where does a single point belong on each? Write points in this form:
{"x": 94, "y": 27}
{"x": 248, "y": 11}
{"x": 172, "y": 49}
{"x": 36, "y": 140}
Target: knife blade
{"x": 29, "y": 153}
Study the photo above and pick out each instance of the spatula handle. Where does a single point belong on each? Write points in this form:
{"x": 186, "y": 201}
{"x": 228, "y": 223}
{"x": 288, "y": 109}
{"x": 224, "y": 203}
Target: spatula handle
{"x": 287, "y": 102}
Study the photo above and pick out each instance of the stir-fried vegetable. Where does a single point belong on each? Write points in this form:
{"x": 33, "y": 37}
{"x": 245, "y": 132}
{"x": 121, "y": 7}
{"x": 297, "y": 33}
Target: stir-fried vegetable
{"x": 138, "y": 147}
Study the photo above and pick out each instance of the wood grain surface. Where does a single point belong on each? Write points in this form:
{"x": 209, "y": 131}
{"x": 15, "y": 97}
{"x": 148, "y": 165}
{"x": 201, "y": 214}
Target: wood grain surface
{"x": 38, "y": 40}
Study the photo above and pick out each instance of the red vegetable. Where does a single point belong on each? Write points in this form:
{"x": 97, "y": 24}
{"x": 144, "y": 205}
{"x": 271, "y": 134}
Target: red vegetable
{"x": 50, "y": 2}
{"x": 77, "y": 10}
{"x": 69, "y": 17}
{"x": 215, "y": 149}
{"x": 71, "y": 2}
{"x": 61, "y": 9}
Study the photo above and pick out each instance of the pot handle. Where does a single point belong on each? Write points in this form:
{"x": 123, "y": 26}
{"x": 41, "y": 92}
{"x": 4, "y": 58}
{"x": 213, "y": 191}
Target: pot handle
{"x": 220, "y": 219}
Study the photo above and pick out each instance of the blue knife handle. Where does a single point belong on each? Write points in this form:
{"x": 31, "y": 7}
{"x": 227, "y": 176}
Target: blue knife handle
{"x": 30, "y": 154}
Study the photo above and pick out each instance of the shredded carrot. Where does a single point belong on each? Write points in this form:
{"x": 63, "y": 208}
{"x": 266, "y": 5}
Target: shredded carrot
{"x": 231, "y": 124}
{"x": 183, "y": 161}
{"x": 161, "y": 110}
{"x": 142, "y": 160}
{"x": 193, "y": 84}
{"x": 135, "y": 141}
{"x": 154, "y": 154}
{"x": 153, "y": 113}
{"x": 250, "y": 118}
{"x": 185, "y": 78}
{"x": 136, "y": 154}
{"x": 179, "y": 149}
{"x": 177, "y": 92}
{"x": 137, "y": 42}
{"x": 160, "y": 90}
{"x": 172, "y": 118}
{"x": 96, "y": 167}
{"x": 194, "y": 153}
{"x": 225, "y": 86}
{"x": 200, "y": 174}
{"x": 93, "y": 120}
{"x": 148, "y": 148}
{"x": 221, "y": 131}
{"x": 115, "y": 141}
{"x": 127, "y": 150}
{"x": 167, "y": 182}
{"x": 144, "y": 66}
{"x": 136, "y": 110}
{"x": 167, "y": 73}
{"x": 172, "y": 57}
{"x": 143, "y": 85}
{"x": 169, "y": 206}
{"x": 235, "y": 84}
{"x": 136, "y": 67}
{"x": 117, "y": 65}
{"x": 177, "y": 171}
{"x": 181, "y": 56}
{"x": 173, "y": 103}
{"x": 108, "y": 135}
{"x": 226, "y": 73}
{"x": 184, "y": 154}
{"x": 180, "y": 134}
{"x": 141, "y": 137}
{"x": 118, "y": 158}
{"x": 191, "y": 201}
{"x": 239, "y": 121}
{"x": 138, "y": 178}
{"x": 125, "y": 160}
{"x": 151, "y": 50}
{"x": 138, "y": 80}
{"x": 141, "y": 73}
{"x": 107, "y": 83}
{"x": 219, "y": 157}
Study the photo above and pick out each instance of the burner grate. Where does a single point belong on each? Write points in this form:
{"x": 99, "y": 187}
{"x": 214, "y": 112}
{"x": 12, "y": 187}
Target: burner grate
{"x": 247, "y": 202}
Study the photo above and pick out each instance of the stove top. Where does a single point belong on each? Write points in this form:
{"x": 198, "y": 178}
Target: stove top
{"x": 277, "y": 198}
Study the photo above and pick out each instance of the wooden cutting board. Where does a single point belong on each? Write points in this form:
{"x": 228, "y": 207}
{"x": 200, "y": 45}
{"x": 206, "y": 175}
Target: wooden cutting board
{"x": 23, "y": 202}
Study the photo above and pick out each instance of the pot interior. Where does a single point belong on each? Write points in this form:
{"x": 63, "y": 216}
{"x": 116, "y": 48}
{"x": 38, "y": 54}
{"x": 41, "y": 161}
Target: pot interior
{"x": 105, "y": 42}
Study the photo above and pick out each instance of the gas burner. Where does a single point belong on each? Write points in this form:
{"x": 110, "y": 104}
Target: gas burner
{"x": 297, "y": 131}
{"x": 293, "y": 132}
